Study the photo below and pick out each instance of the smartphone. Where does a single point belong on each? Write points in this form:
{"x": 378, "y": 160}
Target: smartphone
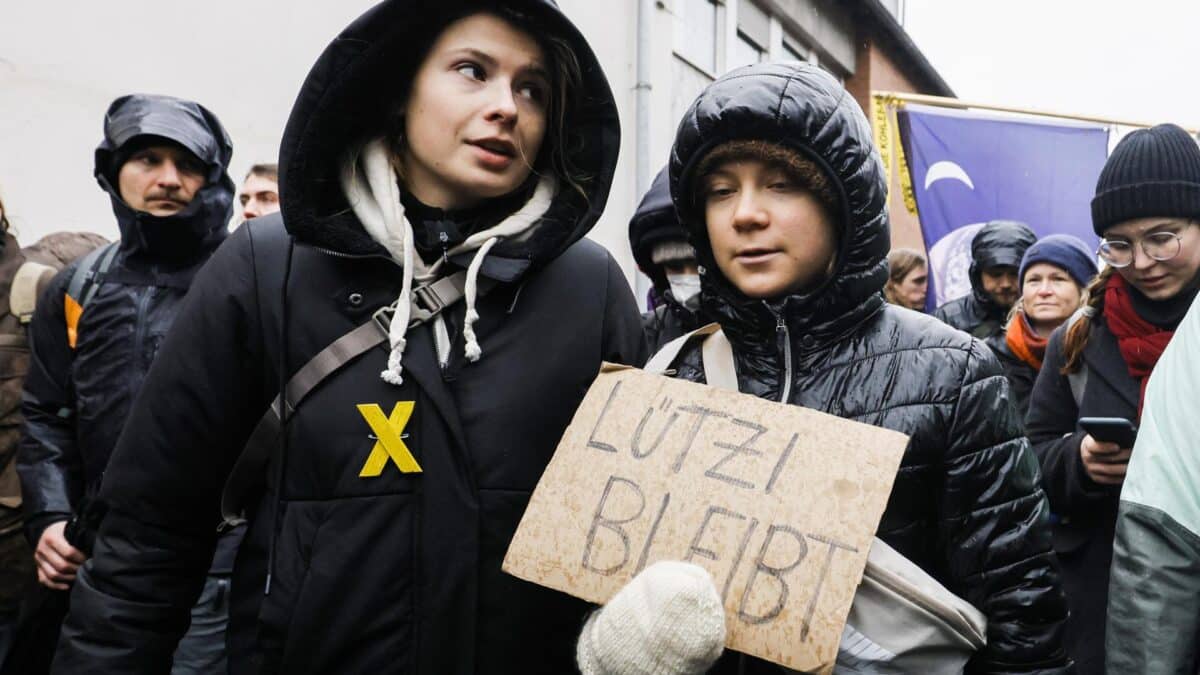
{"x": 1110, "y": 430}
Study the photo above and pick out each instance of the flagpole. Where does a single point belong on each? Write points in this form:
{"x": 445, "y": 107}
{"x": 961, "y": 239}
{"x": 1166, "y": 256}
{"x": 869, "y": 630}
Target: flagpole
{"x": 945, "y": 102}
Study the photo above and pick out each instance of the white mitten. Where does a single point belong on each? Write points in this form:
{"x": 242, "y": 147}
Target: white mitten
{"x": 668, "y": 620}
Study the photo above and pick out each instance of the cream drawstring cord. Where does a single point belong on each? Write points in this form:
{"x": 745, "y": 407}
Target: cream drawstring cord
{"x": 382, "y": 183}
{"x": 472, "y": 349}
{"x": 399, "y": 325}
{"x": 369, "y": 183}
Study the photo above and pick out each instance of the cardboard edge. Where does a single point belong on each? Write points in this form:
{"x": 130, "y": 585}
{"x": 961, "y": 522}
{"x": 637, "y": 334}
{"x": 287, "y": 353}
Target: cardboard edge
{"x": 607, "y": 367}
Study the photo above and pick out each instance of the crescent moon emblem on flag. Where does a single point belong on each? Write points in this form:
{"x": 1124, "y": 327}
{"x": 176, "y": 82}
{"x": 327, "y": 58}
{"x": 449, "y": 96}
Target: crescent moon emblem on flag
{"x": 947, "y": 169}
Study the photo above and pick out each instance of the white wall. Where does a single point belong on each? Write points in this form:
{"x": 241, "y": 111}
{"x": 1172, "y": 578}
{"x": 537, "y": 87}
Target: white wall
{"x": 61, "y": 63}
{"x": 610, "y": 26}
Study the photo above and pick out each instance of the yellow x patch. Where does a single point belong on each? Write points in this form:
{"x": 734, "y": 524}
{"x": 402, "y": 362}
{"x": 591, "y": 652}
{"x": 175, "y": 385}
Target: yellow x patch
{"x": 389, "y": 444}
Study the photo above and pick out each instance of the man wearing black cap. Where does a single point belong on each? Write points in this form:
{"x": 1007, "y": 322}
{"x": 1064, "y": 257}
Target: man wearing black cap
{"x": 996, "y": 253}
{"x": 163, "y": 163}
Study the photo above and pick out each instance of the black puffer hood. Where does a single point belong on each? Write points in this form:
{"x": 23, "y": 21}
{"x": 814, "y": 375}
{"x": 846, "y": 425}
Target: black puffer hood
{"x": 202, "y": 224}
{"x": 804, "y": 108}
{"x": 999, "y": 243}
{"x": 355, "y": 84}
{"x": 654, "y": 222}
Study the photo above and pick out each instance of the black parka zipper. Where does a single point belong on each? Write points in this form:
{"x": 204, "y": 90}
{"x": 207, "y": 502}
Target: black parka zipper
{"x": 783, "y": 342}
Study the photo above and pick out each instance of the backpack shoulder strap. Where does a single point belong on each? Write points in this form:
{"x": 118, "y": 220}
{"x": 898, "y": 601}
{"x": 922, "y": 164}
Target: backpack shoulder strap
{"x": 86, "y": 280}
{"x": 30, "y": 279}
{"x": 250, "y": 466}
{"x": 89, "y": 275}
{"x": 1078, "y": 379}
{"x": 719, "y": 370}
{"x": 664, "y": 357}
{"x": 717, "y": 355}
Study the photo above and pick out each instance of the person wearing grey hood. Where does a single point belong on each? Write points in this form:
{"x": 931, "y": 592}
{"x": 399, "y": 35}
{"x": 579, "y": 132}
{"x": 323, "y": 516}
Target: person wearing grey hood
{"x": 96, "y": 332}
{"x": 996, "y": 253}
{"x": 661, "y": 249}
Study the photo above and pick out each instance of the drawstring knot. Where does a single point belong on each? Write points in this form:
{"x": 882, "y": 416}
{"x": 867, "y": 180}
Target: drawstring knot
{"x": 472, "y": 350}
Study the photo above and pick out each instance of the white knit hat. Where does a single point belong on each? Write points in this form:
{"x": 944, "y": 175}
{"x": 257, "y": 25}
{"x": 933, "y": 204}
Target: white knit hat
{"x": 672, "y": 251}
{"x": 667, "y": 621}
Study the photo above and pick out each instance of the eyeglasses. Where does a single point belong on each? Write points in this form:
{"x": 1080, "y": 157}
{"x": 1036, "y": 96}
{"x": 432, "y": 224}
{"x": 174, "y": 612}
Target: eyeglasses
{"x": 1160, "y": 246}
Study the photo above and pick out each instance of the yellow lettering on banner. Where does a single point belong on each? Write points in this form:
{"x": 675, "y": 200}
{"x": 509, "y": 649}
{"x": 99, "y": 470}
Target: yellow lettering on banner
{"x": 389, "y": 445}
{"x": 883, "y": 136}
{"x": 906, "y": 185}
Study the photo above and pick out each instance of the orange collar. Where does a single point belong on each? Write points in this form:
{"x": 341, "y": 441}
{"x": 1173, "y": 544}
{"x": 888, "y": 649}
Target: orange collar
{"x": 1025, "y": 343}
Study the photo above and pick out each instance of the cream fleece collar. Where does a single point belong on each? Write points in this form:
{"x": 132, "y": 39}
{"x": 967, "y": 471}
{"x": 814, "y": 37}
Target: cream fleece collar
{"x": 370, "y": 187}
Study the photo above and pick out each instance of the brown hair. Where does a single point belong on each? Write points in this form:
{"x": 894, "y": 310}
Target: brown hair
{"x": 566, "y": 81}
{"x": 1077, "y": 335}
{"x": 268, "y": 170}
{"x": 901, "y": 261}
{"x": 804, "y": 171}
{"x": 3, "y": 218}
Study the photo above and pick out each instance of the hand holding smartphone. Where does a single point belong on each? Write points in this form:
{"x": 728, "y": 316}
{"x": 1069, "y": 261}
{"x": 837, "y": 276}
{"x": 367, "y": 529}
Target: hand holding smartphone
{"x": 1110, "y": 430}
{"x": 1106, "y": 449}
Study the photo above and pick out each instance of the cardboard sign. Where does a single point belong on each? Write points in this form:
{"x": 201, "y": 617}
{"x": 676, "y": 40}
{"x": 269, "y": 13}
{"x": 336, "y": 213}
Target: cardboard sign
{"x": 779, "y": 503}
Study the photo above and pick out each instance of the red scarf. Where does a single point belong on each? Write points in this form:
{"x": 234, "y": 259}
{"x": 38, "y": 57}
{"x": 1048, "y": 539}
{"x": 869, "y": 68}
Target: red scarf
{"x": 1140, "y": 342}
{"x": 1025, "y": 343}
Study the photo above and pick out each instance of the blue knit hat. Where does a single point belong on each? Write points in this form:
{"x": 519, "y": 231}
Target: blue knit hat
{"x": 1064, "y": 251}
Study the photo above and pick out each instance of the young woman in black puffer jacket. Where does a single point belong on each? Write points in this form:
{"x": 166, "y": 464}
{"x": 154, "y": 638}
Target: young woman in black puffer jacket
{"x": 774, "y": 174}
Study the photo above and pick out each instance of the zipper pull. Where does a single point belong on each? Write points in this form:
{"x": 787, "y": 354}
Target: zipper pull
{"x": 780, "y": 324}
{"x": 445, "y": 239}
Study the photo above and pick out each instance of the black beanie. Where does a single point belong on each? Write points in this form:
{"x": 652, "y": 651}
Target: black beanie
{"x": 1151, "y": 172}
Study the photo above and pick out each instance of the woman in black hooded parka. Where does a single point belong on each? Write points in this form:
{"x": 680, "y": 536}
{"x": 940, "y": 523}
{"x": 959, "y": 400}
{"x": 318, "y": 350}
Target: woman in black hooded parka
{"x": 472, "y": 140}
{"x": 774, "y": 173}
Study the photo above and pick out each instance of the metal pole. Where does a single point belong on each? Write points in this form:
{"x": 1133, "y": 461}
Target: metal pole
{"x": 957, "y": 103}
{"x": 642, "y": 175}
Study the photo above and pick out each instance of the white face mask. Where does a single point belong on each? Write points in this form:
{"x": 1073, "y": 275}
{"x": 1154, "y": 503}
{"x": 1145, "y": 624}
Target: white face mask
{"x": 684, "y": 287}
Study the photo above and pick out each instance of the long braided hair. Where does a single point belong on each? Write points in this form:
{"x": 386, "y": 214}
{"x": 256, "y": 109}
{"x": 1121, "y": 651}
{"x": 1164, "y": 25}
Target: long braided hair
{"x": 1079, "y": 332}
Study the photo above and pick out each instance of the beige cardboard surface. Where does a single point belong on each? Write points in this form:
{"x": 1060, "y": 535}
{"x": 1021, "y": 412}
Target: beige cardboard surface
{"x": 779, "y": 503}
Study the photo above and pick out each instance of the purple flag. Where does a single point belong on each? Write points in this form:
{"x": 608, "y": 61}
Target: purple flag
{"x": 968, "y": 168}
